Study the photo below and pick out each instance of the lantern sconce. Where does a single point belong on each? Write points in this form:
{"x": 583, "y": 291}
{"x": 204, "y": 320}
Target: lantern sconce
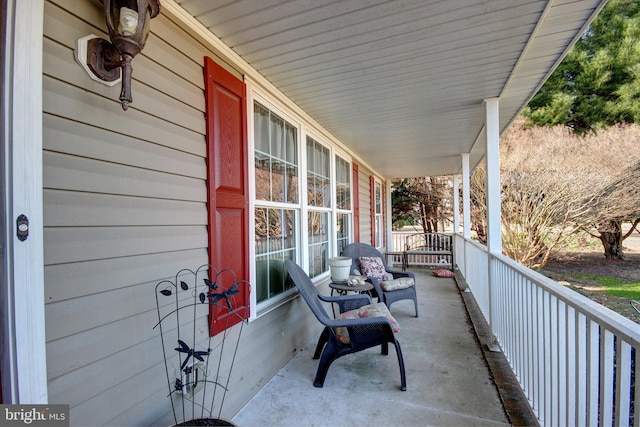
{"x": 128, "y": 26}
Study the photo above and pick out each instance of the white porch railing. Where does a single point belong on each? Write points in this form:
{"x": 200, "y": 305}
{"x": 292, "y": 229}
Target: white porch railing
{"x": 575, "y": 359}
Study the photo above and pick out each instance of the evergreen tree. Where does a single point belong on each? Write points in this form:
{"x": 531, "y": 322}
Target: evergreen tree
{"x": 598, "y": 83}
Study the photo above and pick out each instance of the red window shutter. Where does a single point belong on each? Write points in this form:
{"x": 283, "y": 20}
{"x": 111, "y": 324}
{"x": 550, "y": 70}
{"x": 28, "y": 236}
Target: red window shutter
{"x": 372, "y": 198}
{"x": 356, "y": 203}
{"x": 227, "y": 186}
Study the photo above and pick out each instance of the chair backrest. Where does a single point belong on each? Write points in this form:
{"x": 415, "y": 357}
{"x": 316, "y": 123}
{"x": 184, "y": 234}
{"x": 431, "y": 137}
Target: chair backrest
{"x": 357, "y": 250}
{"x": 307, "y": 290}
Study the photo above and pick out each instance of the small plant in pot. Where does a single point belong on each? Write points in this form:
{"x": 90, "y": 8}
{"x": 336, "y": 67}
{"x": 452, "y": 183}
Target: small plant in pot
{"x": 198, "y": 364}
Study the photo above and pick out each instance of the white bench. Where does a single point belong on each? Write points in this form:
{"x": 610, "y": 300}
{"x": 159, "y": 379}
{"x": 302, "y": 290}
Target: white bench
{"x": 427, "y": 249}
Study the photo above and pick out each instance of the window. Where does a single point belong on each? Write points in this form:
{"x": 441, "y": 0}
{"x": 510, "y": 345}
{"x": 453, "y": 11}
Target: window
{"x": 343, "y": 204}
{"x": 277, "y": 205}
{"x": 302, "y": 204}
{"x": 378, "y": 212}
{"x": 319, "y": 202}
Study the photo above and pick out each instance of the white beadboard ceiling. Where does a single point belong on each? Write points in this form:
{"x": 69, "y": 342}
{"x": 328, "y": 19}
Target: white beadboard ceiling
{"x": 402, "y": 82}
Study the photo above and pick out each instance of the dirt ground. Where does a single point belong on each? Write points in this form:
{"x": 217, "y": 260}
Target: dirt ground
{"x": 594, "y": 262}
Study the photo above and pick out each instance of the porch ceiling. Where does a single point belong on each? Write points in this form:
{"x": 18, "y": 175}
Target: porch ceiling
{"x": 402, "y": 82}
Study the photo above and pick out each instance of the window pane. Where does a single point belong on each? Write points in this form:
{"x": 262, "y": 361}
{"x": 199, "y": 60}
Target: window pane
{"x": 261, "y": 128}
{"x": 275, "y": 242}
{"x": 291, "y": 144}
{"x": 277, "y": 180}
{"x": 318, "y": 243}
{"x": 343, "y": 184}
{"x": 262, "y": 235}
{"x": 277, "y": 137}
{"x": 291, "y": 165}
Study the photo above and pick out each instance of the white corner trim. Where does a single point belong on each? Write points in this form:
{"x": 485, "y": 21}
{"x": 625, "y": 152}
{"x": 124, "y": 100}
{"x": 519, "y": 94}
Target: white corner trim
{"x": 24, "y": 371}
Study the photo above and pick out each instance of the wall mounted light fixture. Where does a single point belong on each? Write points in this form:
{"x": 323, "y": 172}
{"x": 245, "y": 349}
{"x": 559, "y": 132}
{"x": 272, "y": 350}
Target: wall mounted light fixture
{"x": 128, "y": 26}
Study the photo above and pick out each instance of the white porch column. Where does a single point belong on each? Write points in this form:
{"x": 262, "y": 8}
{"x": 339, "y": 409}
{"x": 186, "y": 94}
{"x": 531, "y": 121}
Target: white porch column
{"x": 22, "y": 321}
{"x": 466, "y": 209}
{"x": 466, "y": 197}
{"x": 456, "y": 204}
{"x": 494, "y": 228}
{"x": 388, "y": 213}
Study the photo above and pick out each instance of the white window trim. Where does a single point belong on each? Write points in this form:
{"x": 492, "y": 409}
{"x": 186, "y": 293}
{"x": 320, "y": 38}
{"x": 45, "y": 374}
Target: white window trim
{"x": 264, "y": 307}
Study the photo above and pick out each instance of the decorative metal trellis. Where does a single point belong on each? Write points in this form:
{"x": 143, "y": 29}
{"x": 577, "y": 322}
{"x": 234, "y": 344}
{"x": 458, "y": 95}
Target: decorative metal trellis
{"x": 199, "y": 366}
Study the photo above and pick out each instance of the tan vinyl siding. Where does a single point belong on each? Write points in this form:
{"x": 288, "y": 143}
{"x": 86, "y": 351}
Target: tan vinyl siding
{"x": 124, "y": 207}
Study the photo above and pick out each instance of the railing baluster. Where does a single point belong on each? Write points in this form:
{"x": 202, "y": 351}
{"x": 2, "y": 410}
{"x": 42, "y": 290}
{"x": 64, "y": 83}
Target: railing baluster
{"x": 623, "y": 383}
{"x": 554, "y": 359}
{"x": 593, "y": 372}
{"x": 562, "y": 345}
{"x": 636, "y": 388}
{"x": 529, "y": 336}
{"x": 522, "y": 327}
{"x": 606, "y": 377}
{"x": 536, "y": 353}
{"x": 581, "y": 369}
{"x": 546, "y": 314}
{"x": 570, "y": 362}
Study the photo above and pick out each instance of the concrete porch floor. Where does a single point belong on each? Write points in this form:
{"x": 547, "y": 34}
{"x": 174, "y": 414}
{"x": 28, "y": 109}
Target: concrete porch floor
{"x": 452, "y": 379}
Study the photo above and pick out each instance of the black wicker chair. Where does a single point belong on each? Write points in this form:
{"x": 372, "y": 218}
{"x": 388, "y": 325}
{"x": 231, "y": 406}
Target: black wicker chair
{"x": 357, "y": 250}
{"x": 363, "y": 333}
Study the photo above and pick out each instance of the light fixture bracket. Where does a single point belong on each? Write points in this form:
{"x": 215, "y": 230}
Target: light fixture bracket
{"x": 88, "y": 62}
{"x": 104, "y": 59}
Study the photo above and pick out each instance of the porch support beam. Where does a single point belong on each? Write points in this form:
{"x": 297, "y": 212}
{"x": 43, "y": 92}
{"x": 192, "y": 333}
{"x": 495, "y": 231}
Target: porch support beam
{"x": 494, "y": 229}
{"x": 466, "y": 197}
{"x": 466, "y": 209}
{"x": 456, "y": 204}
{"x": 389, "y": 214}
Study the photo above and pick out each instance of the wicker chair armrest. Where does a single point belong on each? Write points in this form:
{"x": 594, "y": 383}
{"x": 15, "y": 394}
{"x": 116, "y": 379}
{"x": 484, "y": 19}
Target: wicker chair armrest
{"x": 397, "y": 273}
{"x": 363, "y": 321}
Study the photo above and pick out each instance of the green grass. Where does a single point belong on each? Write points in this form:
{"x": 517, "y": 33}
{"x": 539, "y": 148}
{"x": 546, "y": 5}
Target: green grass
{"x": 614, "y": 286}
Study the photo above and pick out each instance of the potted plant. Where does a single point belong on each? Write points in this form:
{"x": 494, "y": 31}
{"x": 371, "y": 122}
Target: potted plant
{"x": 340, "y": 266}
{"x": 198, "y": 366}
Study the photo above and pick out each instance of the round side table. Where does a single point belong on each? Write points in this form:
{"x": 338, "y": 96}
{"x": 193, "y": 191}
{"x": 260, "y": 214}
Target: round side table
{"x": 344, "y": 288}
